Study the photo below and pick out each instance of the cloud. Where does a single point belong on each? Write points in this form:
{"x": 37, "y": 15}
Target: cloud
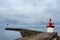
{"x": 29, "y": 11}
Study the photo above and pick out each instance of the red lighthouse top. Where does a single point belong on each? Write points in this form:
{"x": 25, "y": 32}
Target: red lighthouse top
{"x": 50, "y": 24}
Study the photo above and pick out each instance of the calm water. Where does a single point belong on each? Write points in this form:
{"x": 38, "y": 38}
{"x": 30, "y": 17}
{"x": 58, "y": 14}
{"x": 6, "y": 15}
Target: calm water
{"x": 12, "y": 35}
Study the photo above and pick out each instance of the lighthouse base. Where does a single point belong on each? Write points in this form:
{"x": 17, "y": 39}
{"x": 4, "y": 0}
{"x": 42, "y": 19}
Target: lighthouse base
{"x": 50, "y": 30}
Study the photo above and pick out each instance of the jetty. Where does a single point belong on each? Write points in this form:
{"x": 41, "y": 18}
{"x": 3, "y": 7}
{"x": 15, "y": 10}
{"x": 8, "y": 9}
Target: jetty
{"x": 28, "y": 34}
{"x": 34, "y": 35}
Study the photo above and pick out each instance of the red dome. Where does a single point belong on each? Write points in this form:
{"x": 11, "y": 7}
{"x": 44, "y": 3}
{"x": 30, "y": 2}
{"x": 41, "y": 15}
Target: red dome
{"x": 50, "y": 24}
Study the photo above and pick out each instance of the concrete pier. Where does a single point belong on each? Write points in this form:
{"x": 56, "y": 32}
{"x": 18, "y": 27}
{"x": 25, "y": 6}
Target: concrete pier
{"x": 35, "y": 35}
{"x": 41, "y": 36}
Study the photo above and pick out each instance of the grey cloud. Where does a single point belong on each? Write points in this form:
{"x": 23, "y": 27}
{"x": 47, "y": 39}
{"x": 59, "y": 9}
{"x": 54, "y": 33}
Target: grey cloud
{"x": 29, "y": 11}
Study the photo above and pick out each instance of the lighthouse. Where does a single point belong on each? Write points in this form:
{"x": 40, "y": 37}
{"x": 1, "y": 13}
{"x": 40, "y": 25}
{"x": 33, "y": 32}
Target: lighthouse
{"x": 50, "y": 27}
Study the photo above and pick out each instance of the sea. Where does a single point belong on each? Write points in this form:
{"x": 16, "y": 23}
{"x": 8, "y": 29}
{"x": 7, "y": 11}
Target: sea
{"x": 12, "y": 35}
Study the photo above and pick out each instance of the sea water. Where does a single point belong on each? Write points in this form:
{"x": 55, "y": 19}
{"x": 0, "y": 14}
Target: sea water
{"x": 12, "y": 35}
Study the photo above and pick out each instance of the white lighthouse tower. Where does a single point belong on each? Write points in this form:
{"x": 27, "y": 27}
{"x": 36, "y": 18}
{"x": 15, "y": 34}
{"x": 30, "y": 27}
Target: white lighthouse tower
{"x": 50, "y": 27}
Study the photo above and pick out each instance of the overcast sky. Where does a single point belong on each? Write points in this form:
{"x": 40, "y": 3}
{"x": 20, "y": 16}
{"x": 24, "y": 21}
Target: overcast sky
{"x": 29, "y": 11}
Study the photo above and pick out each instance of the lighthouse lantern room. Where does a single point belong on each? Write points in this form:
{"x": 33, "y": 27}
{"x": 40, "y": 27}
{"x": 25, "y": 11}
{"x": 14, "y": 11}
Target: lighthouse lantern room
{"x": 50, "y": 27}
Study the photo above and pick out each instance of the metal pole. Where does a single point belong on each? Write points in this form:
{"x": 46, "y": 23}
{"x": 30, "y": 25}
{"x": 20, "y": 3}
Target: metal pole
{"x": 7, "y": 25}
